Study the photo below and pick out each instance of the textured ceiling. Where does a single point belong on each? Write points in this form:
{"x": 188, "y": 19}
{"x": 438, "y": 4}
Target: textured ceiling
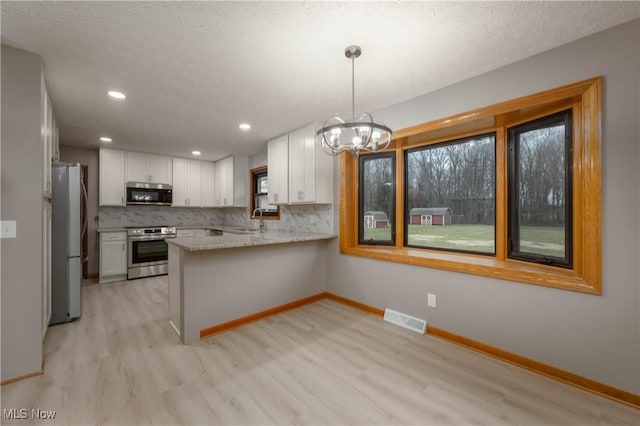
{"x": 194, "y": 70}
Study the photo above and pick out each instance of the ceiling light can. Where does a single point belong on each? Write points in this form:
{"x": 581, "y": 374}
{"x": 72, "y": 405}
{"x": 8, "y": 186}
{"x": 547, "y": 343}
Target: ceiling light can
{"x": 116, "y": 94}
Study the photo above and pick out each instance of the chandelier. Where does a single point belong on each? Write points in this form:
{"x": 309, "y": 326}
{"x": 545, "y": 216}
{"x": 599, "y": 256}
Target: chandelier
{"x": 361, "y": 134}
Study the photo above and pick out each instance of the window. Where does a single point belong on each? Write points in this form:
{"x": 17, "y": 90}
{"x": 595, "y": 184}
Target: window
{"x": 450, "y": 195}
{"x": 510, "y": 191}
{"x": 540, "y": 176}
{"x": 260, "y": 191}
{"x": 377, "y": 198}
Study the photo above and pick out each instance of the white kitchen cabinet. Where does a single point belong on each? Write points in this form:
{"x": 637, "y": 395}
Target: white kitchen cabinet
{"x": 46, "y": 268}
{"x": 186, "y": 182}
{"x": 113, "y": 256}
{"x": 310, "y": 169}
{"x": 217, "y": 190}
{"x": 232, "y": 181}
{"x": 278, "y": 170}
{"x": 49, "y": 139}
{"x": 56, "y": 140}
{"x": 207, "y": 184}
{"x": 112, "y": 190}
{"x": 148, "y": 168}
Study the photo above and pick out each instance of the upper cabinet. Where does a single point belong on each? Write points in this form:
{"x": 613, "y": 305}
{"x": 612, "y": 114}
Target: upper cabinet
{"x": 308, "y": 169}
{"x": 192, "y": 180}
{"x": 207, "y": 184}
{"x": 49, "y": 139}
{"x": 186, "y": 182}
{"x": 149, "y": 168}
{"x": 232, "y": 182}
{"x": 112, "y": 190}
{"x": 278, "y": 170}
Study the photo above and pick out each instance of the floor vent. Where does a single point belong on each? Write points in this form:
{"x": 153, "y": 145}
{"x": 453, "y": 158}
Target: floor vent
{"x": 407, "y": 321}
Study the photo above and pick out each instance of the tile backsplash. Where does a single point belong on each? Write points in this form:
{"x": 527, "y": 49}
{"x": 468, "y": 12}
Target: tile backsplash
{"x": 302, "y": 218}
{"x": 117, "y": 217}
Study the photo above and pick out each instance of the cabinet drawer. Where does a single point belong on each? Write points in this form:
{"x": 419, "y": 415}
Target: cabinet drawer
{"x": 113, "y": 236}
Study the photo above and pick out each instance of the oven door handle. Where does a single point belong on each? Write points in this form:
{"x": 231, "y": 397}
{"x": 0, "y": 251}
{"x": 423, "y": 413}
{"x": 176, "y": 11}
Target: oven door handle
{"x": 150, "y": 237}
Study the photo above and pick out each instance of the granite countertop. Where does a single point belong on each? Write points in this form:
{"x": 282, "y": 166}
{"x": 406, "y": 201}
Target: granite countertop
{"x": 229, "y": 240}
{"x": 120, "y": 229}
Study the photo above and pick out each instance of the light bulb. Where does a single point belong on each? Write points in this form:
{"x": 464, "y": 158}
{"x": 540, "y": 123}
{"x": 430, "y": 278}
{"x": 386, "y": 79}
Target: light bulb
{"x": 356, "y": 141}
{"x": 375, "y": 135}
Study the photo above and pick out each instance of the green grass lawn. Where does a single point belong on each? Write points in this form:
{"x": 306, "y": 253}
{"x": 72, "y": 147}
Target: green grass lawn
{"x": 547, "y": 241}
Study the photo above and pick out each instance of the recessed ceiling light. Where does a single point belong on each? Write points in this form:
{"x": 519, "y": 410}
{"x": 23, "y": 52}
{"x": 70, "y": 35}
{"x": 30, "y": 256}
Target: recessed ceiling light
{"x": 245, "y": 126}
{"x": 106, "y": 139}
{"x": 196, "y": 152}
{"x": 116, "y": 94}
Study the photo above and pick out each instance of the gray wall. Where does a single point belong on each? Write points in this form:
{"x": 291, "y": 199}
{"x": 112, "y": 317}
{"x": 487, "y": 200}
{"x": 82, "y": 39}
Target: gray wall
{"x": 594, "y": 336}
{"x": 22, "y": 201}
{"x": 89, "y": 158}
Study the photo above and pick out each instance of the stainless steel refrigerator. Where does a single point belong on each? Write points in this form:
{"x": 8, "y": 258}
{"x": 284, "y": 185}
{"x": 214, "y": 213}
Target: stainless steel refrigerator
{"x": 66, "y": 244}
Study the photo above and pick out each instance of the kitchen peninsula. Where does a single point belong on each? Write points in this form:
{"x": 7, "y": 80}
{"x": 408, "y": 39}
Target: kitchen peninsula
{"x": 216, "y": 280}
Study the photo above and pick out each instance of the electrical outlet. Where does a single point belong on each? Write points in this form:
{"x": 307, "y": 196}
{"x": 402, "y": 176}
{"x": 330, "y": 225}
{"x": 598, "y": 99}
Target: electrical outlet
{"x": 431, "y": 300}
{"x": 7, "y": 229}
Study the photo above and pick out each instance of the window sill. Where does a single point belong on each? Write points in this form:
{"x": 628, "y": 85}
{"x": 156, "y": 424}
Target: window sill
{"x": 485, "y": 266}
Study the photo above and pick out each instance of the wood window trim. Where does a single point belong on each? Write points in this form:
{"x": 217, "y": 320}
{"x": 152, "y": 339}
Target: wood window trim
{"x": 585, "y": 97}
{"x": 252, "y": 173}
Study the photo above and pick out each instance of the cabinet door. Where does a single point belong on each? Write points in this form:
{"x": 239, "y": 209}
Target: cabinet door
{"x": 46, "y": 135}
{"x": 216, "y": 184}
{"x": 278, "y": 170}
{"x": 226, "y": 181}
{"x": 309, "y": 164}
{"x": 159, "y": 169}
{"x": 207, "y": 184}
{"x": 136, "y": 164}
{"x": 46, "y": 268}
{"x": 180, "y": 195}
{"x": 56, "y": 140}
{"x": 193, "y": 183}
{"x": 239, "y": 179}
{"x": 310, "y": 170}
{"x": 113, "y": 258}
{"x": 112, "y": 177}
{"x": 298, "y": 165}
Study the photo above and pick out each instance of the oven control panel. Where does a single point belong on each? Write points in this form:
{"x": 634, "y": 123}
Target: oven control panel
{"x": 165, "y": 231}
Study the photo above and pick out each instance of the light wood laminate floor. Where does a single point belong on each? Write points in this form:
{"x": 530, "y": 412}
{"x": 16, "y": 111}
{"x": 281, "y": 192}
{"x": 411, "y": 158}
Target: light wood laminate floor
{"x": 320, "y": 364}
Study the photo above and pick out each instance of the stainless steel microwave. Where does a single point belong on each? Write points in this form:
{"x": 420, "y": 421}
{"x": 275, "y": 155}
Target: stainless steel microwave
{"x": 142, "y": 193}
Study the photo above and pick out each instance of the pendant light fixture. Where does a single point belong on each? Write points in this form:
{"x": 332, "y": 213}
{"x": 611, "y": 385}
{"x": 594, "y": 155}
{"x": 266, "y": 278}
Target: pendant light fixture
{"x": 358, "y": 134}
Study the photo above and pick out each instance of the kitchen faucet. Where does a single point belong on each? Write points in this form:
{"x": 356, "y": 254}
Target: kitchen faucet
{"x": 258, "y": 209}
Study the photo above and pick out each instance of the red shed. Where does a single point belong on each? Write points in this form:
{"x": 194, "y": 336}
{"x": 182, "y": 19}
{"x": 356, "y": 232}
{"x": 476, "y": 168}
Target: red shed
{"x": 430, "y": 216}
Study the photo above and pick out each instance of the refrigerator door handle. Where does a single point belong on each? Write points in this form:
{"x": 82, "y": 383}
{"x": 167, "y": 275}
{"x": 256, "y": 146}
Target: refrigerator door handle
{"x": 85, "y": 224}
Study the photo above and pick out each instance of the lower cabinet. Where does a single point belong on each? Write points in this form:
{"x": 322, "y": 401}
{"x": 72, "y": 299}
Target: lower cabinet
{"x": 113, "y": 256}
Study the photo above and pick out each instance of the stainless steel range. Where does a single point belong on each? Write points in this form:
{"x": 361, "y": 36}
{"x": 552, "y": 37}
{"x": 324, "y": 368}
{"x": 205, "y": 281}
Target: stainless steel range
{"x": 148, "y": 251}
